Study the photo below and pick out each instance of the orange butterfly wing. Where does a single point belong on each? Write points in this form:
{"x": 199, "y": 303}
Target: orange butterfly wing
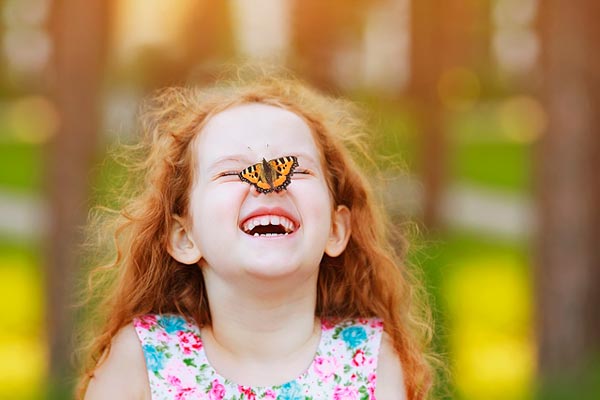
{"x": 284, "y": 169}
{"x": 255, "y": 175}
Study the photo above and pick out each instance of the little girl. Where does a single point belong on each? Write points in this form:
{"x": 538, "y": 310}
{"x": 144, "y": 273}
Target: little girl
{"x": 252, "y": 262}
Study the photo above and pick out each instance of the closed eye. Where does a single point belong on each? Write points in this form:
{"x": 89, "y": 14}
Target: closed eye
{"x": 303, "y": 171}
{"x": 226, "y": 173}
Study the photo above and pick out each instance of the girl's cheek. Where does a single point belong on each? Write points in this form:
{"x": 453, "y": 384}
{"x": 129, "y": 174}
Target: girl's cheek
{"x": 218, "y": 200}
{"x": 309, "y": 190}
{"x": 227, "y": 198}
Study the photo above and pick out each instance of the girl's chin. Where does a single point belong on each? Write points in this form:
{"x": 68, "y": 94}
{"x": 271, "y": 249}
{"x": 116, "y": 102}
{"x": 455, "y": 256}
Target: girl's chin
{"x": 281, "y": 270}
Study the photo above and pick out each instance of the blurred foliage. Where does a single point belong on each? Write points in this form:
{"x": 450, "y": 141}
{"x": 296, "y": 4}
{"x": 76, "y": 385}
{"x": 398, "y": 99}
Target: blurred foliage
{"x": 583, "y": 386}
{"x": 500, "y": 164}
{"x": 21, "y": 166}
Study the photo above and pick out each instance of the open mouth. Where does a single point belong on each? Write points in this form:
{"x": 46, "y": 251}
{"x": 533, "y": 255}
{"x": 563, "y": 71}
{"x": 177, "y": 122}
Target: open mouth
{"x": 268, "y": 225}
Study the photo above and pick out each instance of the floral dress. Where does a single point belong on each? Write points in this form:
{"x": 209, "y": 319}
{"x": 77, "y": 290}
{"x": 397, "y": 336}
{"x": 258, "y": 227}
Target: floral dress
{"x": 344, "y": 366}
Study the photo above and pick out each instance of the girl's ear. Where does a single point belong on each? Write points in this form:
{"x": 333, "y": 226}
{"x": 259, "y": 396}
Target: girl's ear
{"x": 181, "y": 245}
{"x": 340, "y": 231}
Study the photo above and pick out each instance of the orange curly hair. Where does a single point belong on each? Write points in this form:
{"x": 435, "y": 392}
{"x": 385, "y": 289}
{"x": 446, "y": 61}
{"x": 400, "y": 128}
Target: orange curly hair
{"x": 143, "y": 278}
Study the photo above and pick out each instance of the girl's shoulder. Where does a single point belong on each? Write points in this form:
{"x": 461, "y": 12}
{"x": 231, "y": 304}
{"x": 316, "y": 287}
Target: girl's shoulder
{"x": 121, "y": 373}
{"x": 390, "y": 378}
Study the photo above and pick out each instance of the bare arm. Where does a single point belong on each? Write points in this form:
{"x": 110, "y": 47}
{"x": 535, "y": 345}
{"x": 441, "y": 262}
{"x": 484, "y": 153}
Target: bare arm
{"x": 123, "y": 374}
{"x": 390, "y": 380}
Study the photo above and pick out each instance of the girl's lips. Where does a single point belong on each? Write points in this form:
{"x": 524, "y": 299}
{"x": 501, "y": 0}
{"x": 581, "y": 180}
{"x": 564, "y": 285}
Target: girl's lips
{"x": 269, "y": 222}
{"x": 279, "y": 221}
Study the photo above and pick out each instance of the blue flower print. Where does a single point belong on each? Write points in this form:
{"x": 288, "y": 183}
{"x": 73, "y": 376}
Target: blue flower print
{"x": 290, "y": 391}
{"x": 154, "y": 358}
{"x": 354, "y": 335}
{"x": 172, "y": 323}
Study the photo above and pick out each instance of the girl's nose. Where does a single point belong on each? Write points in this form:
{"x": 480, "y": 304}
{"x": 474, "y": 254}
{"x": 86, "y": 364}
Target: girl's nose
{"x": 254, "y": 191}
{"x": 257, "y": 193}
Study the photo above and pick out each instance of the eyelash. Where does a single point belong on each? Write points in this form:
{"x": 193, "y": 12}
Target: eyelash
{"x": 227, "y": 173}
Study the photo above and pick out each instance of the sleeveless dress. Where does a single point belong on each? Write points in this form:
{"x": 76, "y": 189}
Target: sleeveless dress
{"x": 344, "y": 366}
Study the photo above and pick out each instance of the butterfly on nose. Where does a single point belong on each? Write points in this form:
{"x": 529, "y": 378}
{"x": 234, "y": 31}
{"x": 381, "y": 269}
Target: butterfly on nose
{"x": 268, "y": 176}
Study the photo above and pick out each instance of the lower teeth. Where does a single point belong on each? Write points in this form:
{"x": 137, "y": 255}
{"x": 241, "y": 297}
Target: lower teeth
{"x": 270, "y": 234}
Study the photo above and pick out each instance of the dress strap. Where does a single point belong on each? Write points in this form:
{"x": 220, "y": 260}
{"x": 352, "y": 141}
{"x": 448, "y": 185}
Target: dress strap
{"x": 173, "y": 351}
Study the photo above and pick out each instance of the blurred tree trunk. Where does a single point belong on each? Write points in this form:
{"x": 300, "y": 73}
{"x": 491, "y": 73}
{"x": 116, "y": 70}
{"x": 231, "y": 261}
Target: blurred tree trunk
{"x": 426, "y": 69}
{"x": 568, "y": 164}
{"x": 320, "y": 30}
{"x": 445, "y": 36}
{"x": 79, "y": 29}
{"x": 205, "y": 40}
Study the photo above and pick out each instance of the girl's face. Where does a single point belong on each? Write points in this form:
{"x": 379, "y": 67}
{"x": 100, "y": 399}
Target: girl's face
{"x": 225, "y": 212}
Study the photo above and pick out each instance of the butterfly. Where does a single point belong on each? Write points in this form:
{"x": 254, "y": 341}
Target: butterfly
{"x": 273, "y": 175}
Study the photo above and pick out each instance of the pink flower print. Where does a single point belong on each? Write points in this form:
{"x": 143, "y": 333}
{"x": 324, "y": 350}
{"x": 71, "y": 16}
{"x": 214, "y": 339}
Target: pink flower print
{"x": 371, "y": 390}
{"x": 217, "y": 391}
{"x": 145, "y": 321}
{"x": 180, "y": 378}
{"x": 376, "y": 323}
{"x": 250, "y": 395}
{"x": 179, "y": 375}
{"x": 270, "y": 395}
{"x": 327, "y": 324}
{"x": 186, "y": 393}
{"x": 162, "y": 336}
{"x": 326, "y": 367}
{"x": 189, "y": 341}
{"x": 173, "y": 381}
{"x": 359, "y": 358}
{"x": 372, "y": 378}
{"x": 371, "y": 364}
{"x": 345, "y": 393}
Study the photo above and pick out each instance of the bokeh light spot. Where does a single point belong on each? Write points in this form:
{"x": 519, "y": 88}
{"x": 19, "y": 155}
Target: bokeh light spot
{"x": 32, "y": 119}
{"x": 522, "y": 118}
{"x": 490, "y": 312}
{"x": 27, "y": 49}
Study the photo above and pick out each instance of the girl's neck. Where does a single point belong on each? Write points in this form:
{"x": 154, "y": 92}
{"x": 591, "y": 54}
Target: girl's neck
{"x": 262, "y": 327}
{"x": 266, "y": 326}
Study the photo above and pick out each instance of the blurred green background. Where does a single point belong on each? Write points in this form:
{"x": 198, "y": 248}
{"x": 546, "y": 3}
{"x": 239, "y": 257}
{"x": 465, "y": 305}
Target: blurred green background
{"x": 461, "y": 97}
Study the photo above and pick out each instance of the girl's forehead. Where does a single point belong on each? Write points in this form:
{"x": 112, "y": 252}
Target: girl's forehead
{"x": 254, "y": 131}
{"x": 254, "y": 117}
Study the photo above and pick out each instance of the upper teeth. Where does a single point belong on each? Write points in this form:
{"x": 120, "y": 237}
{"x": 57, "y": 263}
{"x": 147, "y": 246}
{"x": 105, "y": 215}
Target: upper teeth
{"x": 268, "y": 220}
